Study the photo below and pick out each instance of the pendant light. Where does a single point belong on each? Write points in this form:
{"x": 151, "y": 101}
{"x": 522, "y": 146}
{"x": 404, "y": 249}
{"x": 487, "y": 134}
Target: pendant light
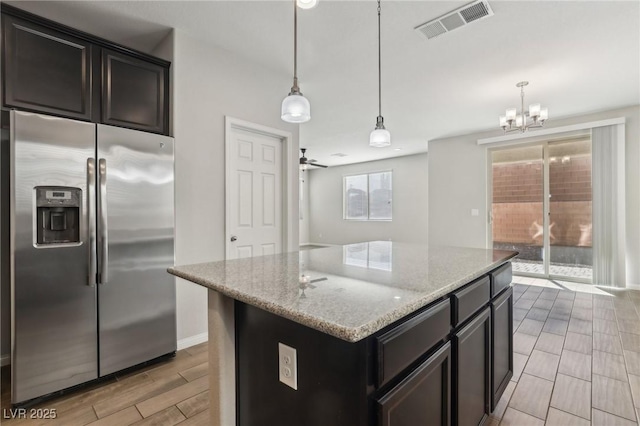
{"x": 295, "y": 107}
{"x": 379, "y": 137}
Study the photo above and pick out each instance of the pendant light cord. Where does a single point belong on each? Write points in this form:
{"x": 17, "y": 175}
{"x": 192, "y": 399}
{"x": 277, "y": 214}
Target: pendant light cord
{"x": 379, "y": 67}
{"x": 295, "y": 44}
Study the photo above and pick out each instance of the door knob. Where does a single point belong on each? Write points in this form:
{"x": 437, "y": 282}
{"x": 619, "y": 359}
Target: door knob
{"x": 233, "y": 238}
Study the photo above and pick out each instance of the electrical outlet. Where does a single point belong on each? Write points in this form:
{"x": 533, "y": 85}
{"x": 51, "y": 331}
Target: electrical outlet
{"x": 288, "y": 366}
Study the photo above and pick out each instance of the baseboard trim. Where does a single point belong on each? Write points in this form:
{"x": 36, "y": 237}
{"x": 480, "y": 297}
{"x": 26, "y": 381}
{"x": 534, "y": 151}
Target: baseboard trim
{"x": 187, "y": 342}
{"x": 5, "y": 360}
{"x": 633, "y": 286}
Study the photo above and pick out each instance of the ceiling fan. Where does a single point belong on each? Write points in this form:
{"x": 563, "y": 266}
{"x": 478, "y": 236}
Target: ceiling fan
{"x": 305, "y": 163}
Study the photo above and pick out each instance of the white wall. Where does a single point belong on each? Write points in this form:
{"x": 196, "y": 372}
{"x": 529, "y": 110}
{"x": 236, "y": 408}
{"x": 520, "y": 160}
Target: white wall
{"x": 458, "y": 170}
{"x": 208, "y": 84}
{"x": 409, "y": 222}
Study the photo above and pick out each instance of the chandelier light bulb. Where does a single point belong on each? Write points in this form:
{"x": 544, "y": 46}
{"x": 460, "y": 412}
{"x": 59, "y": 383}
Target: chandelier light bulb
{"x": 511, "y": 114}
{"x": 503, "y": 121}
{"x": 534, "y": 110}
{"x": 544, "y": 114}
{"x": 519, "y": 120}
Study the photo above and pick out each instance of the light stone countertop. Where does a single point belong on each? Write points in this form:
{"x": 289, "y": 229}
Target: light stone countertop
{"x": 355, "y": 290}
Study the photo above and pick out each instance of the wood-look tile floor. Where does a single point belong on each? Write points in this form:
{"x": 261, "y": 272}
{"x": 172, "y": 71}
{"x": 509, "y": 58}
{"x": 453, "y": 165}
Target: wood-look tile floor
{"x": 169, "y": 393}
{"x": 576, "y": 362}
{"x": 576, "y": 356}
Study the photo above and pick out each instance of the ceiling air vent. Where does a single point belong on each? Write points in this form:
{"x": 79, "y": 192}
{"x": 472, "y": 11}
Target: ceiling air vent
{"x": 456, "y": 19}
{"x": 432, "y": 29}
{"x": 475, "y": 11}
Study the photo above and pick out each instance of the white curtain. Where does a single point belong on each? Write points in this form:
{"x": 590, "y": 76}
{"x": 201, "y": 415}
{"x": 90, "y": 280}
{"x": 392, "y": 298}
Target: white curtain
{"x": 608, "y": 177}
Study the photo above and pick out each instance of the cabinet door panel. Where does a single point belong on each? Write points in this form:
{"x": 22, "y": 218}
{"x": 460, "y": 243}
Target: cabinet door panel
{"x": 423, "y": 397}
{"x": 133, "y": 93}
{"x": 46, "y": 70}
{"x": 401, "y": 346}
{"x": 472, "y": 371}
{"x": 501, "y": 345}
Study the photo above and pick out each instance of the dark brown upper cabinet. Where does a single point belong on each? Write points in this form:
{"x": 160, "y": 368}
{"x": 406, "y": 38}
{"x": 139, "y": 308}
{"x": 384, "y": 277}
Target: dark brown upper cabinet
{"x": 46, "y": 70}
{"x": 133, "y": 92}
{"x": 54, "y": 69}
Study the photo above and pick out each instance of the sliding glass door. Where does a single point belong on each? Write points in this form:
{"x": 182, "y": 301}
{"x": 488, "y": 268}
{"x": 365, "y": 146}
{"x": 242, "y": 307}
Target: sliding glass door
{"x": 518, "y": 206}
{"x": 541, "y": 207}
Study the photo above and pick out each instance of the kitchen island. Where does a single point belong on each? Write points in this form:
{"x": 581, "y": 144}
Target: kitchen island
{"x": 383, "y": 334}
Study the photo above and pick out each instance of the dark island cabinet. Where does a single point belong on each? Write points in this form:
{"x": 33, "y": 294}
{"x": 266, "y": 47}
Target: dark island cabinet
{"x": 446, "y": 364}
{"x": 53, "y": 69}
{"x": 501, "y": 344}
{"x": 46, "y": 70}
{"x": 133, "y": 92}
{"x": 423, "y": 397}
{"x": 472, "y": 371}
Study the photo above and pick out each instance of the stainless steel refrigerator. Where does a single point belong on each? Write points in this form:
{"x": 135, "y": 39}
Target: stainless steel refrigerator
{"x": 92, "y": 233}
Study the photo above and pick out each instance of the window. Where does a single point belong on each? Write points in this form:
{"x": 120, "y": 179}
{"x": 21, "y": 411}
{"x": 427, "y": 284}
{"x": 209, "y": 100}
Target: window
{"x": 368, "y": 197}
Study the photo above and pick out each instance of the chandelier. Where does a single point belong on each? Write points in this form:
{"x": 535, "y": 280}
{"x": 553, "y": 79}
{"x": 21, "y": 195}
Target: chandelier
{"x": 535, "y": 117}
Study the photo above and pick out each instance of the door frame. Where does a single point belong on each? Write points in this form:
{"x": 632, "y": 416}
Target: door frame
{"x": 289, "y": 203}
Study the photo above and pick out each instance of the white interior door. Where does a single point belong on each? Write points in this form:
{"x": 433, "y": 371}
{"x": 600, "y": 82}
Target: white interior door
{"x": 254, "y": 194}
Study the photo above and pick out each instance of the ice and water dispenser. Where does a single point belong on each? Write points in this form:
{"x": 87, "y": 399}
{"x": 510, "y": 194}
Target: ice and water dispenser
{"x": 58, "y": 215}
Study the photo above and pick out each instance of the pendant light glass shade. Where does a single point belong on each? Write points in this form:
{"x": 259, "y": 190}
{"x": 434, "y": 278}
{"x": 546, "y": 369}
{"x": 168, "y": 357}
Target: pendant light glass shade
{"x": 295, "y": 107}
{"x": 380, "y": 137}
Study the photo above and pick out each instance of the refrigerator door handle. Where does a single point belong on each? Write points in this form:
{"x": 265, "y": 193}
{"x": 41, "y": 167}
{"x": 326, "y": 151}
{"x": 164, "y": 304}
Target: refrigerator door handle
{"x": 102, "y": 218}
{"x": 91, "y": 219}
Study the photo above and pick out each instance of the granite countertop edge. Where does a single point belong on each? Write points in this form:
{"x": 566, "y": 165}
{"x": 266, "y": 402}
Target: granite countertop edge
{"x": 349, "y": 334}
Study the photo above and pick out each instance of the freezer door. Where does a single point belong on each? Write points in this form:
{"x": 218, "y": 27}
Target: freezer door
{"x": 136, "y": 295}
{"x": 54, "y": 344}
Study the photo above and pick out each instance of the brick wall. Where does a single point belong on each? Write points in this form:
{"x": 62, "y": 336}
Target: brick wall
{"x": 517, "y": 202}
{"x": 517, "y": 182}
{"x": 570, "y": 181}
